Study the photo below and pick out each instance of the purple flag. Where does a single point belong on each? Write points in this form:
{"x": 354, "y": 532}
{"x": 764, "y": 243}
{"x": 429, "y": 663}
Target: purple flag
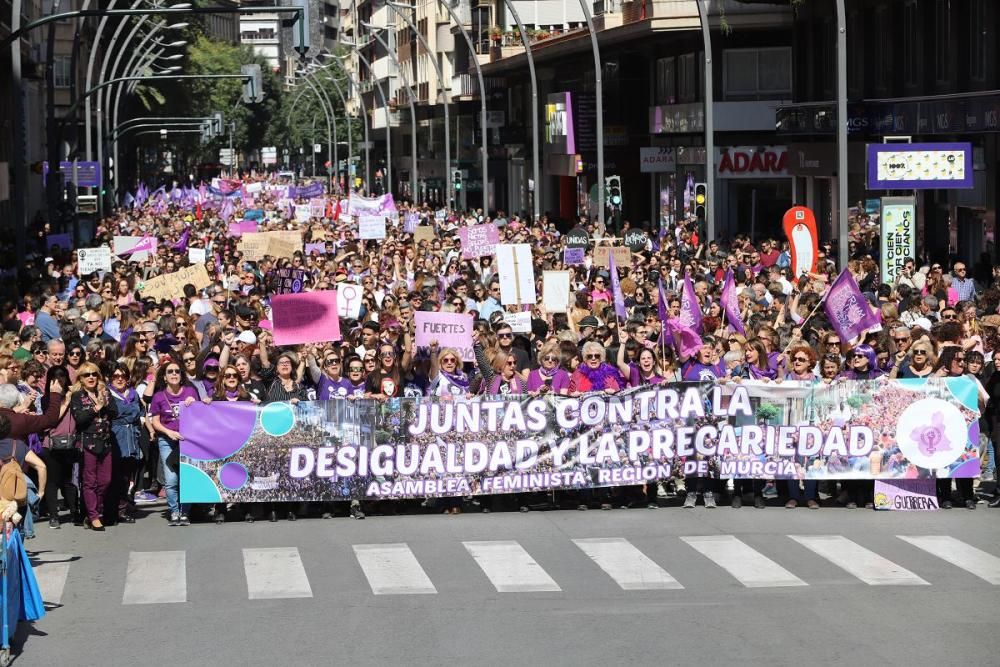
{"x": 690, "y": 315}
{"x": 730, "y": 304}
{"x": 682, "y": 336}
{"x": 616, "y": 289}
{"x": 847, "y": 309}
{"x": 227, "y": 210}
{"x": 182, "y": 242}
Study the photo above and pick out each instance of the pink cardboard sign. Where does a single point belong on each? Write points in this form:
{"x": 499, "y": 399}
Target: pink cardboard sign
{"x": 478, "y": 241}
{"x": 448, "y": 329}
{"x": 238, "y": 229}
{"x": 306, "y": 317}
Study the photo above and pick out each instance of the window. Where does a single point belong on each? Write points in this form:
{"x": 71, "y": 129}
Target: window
{"x": 979, "y": 22}
{"x": 665, "y": 85}
{"x": 687, "y": 77}
{"x": 943, "y": 48}
{"x": 882, "y": 51}
{"x": 62, "y": 72}
{"x": 911, "y": 57}
{"x": 758, "y": 73}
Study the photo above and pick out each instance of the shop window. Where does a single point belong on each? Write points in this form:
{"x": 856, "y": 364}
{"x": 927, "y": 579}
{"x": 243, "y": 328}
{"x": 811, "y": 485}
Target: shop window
{"x": 758, "y": 73}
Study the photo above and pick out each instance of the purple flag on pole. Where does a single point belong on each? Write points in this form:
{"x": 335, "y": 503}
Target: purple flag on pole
{"x": 678, "y": 333}
{"x": 731, "y": 306}
{"x": 690, "y": 315}
{"x": 226, "y": 211}
{"x": 848, "y": 310}
{"x": 616, "y": 289}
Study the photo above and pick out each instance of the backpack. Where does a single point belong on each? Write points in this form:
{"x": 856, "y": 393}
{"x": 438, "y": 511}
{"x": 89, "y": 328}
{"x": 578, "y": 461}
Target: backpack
{"x": 12, "y": 484}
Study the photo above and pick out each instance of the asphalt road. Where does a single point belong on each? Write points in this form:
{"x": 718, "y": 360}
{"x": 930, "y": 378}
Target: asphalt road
{"x": 671, "y": 586}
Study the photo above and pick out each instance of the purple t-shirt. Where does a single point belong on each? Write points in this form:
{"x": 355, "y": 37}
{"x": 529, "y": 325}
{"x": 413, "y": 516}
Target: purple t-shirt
{"x": 560, "y": 380}
{"x": 635, "y": 377}
{"x": 695, "y": 371}
{"x": 327, "y": 389}
{"x": 168, "y": 406}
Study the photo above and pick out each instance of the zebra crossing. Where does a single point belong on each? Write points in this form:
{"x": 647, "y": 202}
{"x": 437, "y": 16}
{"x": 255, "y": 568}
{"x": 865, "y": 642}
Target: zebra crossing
{"x": 387, "y": 569}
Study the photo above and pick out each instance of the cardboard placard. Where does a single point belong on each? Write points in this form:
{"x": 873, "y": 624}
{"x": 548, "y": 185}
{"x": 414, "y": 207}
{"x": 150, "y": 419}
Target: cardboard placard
{"x": 93, "y": 259}
{"x": 448, "y": 329}
{"x": 171, "y": 285}
{"x": 516, "y": 273}
{"x": 623, "y": 256}
{"x": 556, "y": 291}
{"x": 423, "y": 233}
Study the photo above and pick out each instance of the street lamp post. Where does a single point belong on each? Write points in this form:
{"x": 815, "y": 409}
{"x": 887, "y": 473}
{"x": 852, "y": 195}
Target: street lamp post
{"x": 842, "y": 248}
{"x": 482, "y": 96}
{"x": 373, "y": 31}
{"x": 365, "y": 110}
{"x": 385, "y": 109}
{"x": 536, "y": 195}
{"x": 706, "y": 35}
{"x": 599, "y": 94}
{"x": 441, "y": 85}
{"x": 324, "y": 102}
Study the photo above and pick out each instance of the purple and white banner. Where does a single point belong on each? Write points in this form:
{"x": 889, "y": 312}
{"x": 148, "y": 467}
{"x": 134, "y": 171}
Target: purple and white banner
{"x": 427, "y": 447}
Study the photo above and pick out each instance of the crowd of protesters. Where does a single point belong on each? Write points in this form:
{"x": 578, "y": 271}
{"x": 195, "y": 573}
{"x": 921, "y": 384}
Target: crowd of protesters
{"x": 94, "y": 376}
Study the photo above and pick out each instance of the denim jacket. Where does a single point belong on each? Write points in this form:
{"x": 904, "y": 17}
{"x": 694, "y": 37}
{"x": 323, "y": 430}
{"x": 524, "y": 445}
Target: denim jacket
{"x": 126, "y": 426}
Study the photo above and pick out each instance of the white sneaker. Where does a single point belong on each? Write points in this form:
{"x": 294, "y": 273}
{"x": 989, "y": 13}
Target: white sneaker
{"x": 690, "y": 500}
{"x": 709, "y": 500}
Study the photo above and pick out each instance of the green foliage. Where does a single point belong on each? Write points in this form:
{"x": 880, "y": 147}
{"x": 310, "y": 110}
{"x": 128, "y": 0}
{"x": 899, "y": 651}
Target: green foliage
{"x": 767, "y": 411}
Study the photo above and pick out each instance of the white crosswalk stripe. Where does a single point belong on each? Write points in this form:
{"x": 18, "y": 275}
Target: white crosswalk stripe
{"x": 275, "y": 573}
{"x": 630, "y": 568}
{"x": 864, "y": 564}
{"x": 51, "y": 572}
{"x": 969, "y": 558}
{"x": 510, "y": 568}
{"x": 160, "y": 577}
{"x": 392, "y": 569}
{"x": 155, "y": 577}
{"x": 750, "y": 567}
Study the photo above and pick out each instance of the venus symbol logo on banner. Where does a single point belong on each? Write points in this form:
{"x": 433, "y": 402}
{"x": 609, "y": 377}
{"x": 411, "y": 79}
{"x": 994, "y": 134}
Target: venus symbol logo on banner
{"x": 348, "y": 300}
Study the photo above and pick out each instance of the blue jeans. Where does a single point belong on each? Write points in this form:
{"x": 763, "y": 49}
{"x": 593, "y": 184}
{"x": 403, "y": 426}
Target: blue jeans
{"x": 31, "y": 509}
{"x": 170, "y": 477}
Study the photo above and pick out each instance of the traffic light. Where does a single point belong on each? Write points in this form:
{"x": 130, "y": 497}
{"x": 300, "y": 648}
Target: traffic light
{"x": 456, "y": 180}
{"x": 614, "y": 185}
{"x": 216, "y": 123}
{"x": 700, "y": 200}
{"x": 253, "y": 88}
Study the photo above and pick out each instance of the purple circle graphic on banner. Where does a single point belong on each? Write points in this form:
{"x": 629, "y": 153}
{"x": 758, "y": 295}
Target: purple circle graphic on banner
{"x": 233, "y": 476}
{"x": 969, "y": 468}
{"x": 217, "y": 431}
{"x": 296, "y": 286}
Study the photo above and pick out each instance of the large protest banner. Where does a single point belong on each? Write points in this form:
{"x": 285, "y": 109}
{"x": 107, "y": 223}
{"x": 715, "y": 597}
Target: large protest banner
{"x": 427, "y": 447}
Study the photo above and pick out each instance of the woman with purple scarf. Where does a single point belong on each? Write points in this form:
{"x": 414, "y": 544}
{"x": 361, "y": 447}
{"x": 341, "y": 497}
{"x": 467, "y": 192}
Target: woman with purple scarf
{"x": 446, "y": 375}
{"x": 548, "y": 377}
{"x": 595, "y": 374}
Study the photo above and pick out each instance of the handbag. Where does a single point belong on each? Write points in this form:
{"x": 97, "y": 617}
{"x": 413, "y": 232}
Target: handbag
{"x": 62, "y": 442}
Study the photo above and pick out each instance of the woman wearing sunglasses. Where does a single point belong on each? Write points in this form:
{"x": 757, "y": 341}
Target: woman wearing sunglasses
{"x": 548, "y": 377}
{"x": 229, "y": 387}
{"x": 386, "y": 380}
{"x": 354, "y": 380}
{"x": 127, "y": 429}
{"x": 446, "y": 375}
{"x": 862, "y": 364}
{"x": 93, "y": 411}
{"x": 172, "y": 393}
{"x": 594, "y": 373}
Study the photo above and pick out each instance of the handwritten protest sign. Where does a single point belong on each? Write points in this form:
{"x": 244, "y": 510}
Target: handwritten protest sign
{"x": 478, "y": 240}
{"x": 518, "y": 322}
{"x": 171, "y": 285}
{"x": 317, "y": 207}
{"x": 288, "y": 281}
{"x": 516, "y": 273}
{"x": 93, "y": 259}
{"x": 555, "y": 291}
{"x": 423, "y": 233}
{"x": 574, "y": 256}
{"x": 302, "y": 212}
{"x": 349, "y": 300}
{"x": 276, "y": 244}
{"x": 253, "y": 246}
{"x": 196, "y": 255}
{"x": 602, "y": 254}
{"x": 448, "y": 329}
{"x": 371, "y": 227}
{"x": 307, "y": 317}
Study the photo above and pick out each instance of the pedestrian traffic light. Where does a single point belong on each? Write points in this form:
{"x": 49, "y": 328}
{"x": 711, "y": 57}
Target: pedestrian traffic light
{"x": 456, "y": 179}
{"x": 614, "y": 185}
{"x": 700, "y": 200}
